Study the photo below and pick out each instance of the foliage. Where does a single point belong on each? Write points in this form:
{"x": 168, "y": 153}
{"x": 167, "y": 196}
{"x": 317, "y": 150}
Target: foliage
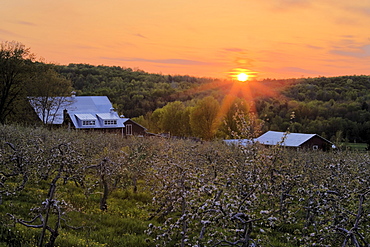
{"x": 134, "y": 92}
{"x": 326, "y": 106}
{"x": 203, "y": 118}
{"x": 15, "y": 59}
{"x": 48, "y": 91}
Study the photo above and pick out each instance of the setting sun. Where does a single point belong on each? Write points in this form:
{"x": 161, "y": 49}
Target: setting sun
{"x": 242, "y": 77}
{"x": 242, "y": 74}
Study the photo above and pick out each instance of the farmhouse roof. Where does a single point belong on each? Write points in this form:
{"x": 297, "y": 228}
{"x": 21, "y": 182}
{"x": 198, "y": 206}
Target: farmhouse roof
{"x": 96, "y": 109}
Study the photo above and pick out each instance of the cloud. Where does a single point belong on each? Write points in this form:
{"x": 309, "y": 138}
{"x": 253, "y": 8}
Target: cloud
{"x": 291, "y": 4}
{"x": 300, "y": 70}
{"x": 314, "y": 47}
{"x": 6, "y": 32}
{"x": 161, "y": 61}
{"x": 234, "y": 49}
{"x": 356, "y": 52}
{"x": 140, "y": 35}
{"x": 26, "y": 23}
{"x": 359, "y": 10}
{"x": 84, "y": 47}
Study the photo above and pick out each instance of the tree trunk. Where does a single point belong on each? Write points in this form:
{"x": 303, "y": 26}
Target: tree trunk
{"x": 103, "y": 200}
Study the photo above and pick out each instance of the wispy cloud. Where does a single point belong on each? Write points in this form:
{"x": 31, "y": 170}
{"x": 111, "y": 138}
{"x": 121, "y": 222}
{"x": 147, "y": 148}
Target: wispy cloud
{"x": 314, "y": 47}
{"x": 356, "y": 52}
{"x": 359, "y": 10}
{"x": 84, "y": 47}
{"x": 6, "y": 32}
{"x": 290, "y": 4}
{"x": 300, "y": 70}
{"x": 27, "y": 23}
{"x": 161, "y": 61}
{"x": 140, "y": 35}
{"x": 234, "y": 49}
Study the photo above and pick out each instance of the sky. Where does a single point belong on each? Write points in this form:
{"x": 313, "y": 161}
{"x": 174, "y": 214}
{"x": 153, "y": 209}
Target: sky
{"x": 205, "y": 38}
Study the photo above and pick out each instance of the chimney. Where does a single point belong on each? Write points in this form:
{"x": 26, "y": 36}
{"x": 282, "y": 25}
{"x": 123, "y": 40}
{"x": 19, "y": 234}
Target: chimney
{"x": 65, "y": 115}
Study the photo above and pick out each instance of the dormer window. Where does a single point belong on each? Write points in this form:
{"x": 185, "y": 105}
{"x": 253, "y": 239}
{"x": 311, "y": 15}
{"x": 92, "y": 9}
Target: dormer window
{"x": 88, "y": 122}
{"x": 110, "y": 122}
{"x": 86, "y": 119}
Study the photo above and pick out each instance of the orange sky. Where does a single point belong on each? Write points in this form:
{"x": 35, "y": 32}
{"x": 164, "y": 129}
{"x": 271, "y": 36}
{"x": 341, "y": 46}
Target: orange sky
{"x": 210, "y": 38}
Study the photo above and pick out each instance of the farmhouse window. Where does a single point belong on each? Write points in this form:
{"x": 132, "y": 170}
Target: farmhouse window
{"x": 128, "y": 129}
{"x": 110, "y": 122}
{"x": 315, "y": 147}
{"x": 88, "y": 122}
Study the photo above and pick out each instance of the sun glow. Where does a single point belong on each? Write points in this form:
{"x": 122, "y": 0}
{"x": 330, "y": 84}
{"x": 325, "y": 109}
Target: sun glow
{"x": 232, "y": 89}
{"x": 242, "y": 77}
{"x": 242, "y": 74}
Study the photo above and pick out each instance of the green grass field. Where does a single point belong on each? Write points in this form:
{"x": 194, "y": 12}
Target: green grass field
{"x": 357, "y": 146}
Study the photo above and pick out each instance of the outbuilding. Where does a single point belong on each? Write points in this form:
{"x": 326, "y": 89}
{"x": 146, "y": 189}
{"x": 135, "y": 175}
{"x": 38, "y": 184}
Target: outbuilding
{"x": 295, "y": 140}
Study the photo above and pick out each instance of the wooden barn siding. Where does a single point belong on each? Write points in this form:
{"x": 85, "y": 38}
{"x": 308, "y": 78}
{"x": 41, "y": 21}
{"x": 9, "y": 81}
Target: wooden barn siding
{"x": 321, "y": 143}
{"x": 136, "y": 129}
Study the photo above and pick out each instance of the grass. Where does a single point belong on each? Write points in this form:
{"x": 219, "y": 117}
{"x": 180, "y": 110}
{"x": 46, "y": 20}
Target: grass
{"x": 123, "y": 224}
{"x": 356, "y": 146}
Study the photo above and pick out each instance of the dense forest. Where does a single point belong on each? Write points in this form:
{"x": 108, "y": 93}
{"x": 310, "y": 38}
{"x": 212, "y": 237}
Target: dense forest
{"x": 133, "y": 92}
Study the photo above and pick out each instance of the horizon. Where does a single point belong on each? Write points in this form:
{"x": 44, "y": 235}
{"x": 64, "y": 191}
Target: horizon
{"x": 280, "y": 40}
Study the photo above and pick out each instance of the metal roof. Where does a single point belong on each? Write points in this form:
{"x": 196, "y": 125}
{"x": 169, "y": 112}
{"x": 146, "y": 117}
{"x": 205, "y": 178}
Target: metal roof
{"x": 241, "y": 142}
{"x": 108, "y": 116}
{"x": 86, "y": 116}
{"x": 285, "y": 139}
{"x": 81, "y": 108}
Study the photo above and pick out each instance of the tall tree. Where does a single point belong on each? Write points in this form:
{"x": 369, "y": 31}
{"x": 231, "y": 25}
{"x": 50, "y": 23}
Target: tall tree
{"x": 48, "y": 91}
{"x": 229, "y": 127}
{"x": 203, "y": 118}
{"x": 175, "y": 119}
{"x": 14, "y": 60}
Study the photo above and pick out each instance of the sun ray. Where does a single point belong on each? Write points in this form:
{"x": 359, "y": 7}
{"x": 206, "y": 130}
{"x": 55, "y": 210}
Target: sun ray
{"x": 248, "y": 96}
{"x": 233, "y": 89}
{"x": 227, "y": 102}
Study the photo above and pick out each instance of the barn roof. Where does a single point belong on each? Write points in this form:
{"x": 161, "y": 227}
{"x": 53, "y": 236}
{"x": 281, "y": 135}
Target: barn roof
{"x": 278, "y": 138}
{"x": 285, "y": 139}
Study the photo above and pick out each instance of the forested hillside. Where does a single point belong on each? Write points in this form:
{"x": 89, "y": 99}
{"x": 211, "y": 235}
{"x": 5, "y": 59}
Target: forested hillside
{"x": 335, "y": 107}
{"x": 133, "y": 92}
